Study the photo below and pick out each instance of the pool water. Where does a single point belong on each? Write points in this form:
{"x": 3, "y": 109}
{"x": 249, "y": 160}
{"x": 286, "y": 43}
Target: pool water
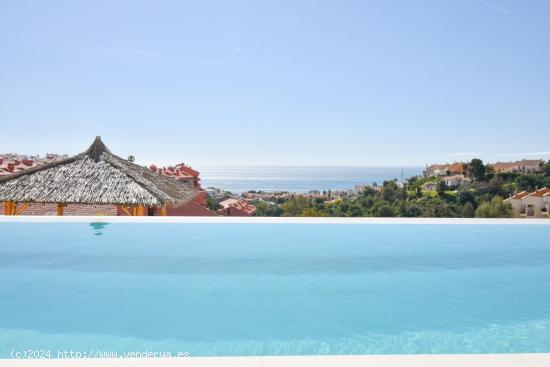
{"x": 274, "y": 289}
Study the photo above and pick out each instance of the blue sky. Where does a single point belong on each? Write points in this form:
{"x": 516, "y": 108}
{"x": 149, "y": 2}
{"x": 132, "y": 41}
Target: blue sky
{"x": 399, "y": 82}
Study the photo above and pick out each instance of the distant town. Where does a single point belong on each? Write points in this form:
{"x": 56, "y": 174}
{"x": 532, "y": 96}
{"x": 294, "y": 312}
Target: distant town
{"x": 458, "y": 189}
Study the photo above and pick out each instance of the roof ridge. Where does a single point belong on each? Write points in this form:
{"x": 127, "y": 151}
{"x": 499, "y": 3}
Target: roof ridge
{"x": 97, "y": 149}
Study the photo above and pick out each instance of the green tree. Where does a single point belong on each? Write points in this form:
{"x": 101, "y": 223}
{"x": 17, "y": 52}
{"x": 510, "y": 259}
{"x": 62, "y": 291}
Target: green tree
{"x": 546, "y": 168}
{"x": 407, "y": 209}
{"x": 465, "y": 196}
{"x": 312, "y": 212}
{"x": 264, "y": 209}
{"x": 477, "y": 170}
{"x": 295, "y": 207}
{"x": 212, "y": 204}
{"x": 385, "y": 211}
{"x": 441, "y": 187}
{"x": 389, "y": 192}
{"x": 444, "y": 210}
{"x": 529, "y": 182}
{"x": 496, "y": 208}
{"x": 468, "y": 210}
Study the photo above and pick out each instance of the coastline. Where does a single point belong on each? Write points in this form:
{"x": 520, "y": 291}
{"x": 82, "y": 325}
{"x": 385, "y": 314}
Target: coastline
{"x": 300, "y": 179}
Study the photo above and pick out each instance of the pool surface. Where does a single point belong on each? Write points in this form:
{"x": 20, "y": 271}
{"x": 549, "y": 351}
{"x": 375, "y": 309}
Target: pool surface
{"x": 274, "y": 289}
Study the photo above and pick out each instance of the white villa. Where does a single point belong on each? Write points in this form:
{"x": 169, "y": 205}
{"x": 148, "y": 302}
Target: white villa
{"x": 531, "y": 205}
{"x": 456, "y": 180}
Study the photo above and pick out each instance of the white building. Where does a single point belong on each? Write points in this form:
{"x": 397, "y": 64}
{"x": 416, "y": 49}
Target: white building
{"x": 531, "y": 205}
{"x": 525, "y": 166}
{"x": 456, "y": 180}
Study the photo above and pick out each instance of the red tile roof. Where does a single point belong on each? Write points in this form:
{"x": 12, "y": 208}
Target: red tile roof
{"x": 237, "y": 204}
{"x": 184, "y": 173}
{"x": 519, "y": 195}
{"x": 540, "y": 193}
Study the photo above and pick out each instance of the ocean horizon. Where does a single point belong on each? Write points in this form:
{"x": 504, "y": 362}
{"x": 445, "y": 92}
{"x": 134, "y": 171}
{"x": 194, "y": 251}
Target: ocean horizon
{"x": 299, "y": 179}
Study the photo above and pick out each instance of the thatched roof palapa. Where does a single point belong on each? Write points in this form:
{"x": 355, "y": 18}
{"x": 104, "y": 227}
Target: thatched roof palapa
{"x": 95, "y": 176}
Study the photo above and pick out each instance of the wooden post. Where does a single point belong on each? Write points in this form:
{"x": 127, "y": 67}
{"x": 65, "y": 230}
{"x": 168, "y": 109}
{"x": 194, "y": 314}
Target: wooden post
{"x": 163, "y": 211}
{"x": 7, "y": 207}
{"x": 60, "y": 209}
{"x": 141, "y": 210}
{"x": 13, "y": 208}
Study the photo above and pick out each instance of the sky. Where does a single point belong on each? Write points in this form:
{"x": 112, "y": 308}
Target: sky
{"x": 375, "y": 83}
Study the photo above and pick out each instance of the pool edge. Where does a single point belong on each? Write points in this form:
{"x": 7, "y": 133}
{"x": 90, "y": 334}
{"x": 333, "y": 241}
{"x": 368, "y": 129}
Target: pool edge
{"x": 271, "y": 220}
{"x": 433, "y": 360}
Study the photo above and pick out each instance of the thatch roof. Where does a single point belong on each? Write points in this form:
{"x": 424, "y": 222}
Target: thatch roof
{"x": 95, "y": 176}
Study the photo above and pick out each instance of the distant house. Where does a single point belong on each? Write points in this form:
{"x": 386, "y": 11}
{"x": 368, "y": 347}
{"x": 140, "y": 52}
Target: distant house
{"x": 516, "y": 202}
{"x": 438, "y": 170}
{"x": 524, "y": 166}
{"x": 214, "y": 192}
{"x": 236, "y": 208}
{"x": 531, "y": 205}
{"x": 435, "y": 170}
{"x": 360, "y": 188}
{"x": 456, "y": 180}
{"x": 184, "y": 173}
{"x": 13, "y": 163}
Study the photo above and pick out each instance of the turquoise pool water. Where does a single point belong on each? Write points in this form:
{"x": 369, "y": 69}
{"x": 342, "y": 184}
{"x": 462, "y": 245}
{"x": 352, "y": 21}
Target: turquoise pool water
{"x": 274, "y": 289}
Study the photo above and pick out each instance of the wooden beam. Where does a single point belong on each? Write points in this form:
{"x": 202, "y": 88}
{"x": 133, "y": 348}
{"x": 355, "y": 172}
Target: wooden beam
{"x": 22, "y": 209}
{"x": 13, "y": 208}
{"x": 125, "y": 210}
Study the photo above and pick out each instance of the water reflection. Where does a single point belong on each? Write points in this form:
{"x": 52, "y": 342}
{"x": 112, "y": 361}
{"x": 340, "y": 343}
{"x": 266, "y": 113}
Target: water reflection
{"x": 98, "y": 227}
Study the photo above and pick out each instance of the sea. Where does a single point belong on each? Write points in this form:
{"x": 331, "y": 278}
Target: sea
{"x": 239, "y": 179}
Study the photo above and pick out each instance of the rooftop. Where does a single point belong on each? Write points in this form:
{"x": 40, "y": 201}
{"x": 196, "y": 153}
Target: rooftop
{"x": 95, "y": 176}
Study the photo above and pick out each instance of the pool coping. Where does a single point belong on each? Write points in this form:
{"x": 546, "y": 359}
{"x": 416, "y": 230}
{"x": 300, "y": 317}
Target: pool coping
{"x": 273, "y": 220}
{"x": 432, "y": 360}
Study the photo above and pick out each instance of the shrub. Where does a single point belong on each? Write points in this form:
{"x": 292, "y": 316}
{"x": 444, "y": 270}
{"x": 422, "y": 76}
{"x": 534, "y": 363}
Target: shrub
{"x": 468, "y": 210}
{"x": 496, "y": 208}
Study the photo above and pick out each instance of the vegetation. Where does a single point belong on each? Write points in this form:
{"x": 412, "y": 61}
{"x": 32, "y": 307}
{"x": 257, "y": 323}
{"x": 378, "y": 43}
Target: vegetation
{"x": 212, "y": 204}
{"x": 482, "y": 198}
{"x": 495, "y": 208}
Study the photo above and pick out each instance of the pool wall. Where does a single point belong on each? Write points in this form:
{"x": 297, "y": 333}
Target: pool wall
{"x": 449, "y": 360}
{"x": 302, "y": 220}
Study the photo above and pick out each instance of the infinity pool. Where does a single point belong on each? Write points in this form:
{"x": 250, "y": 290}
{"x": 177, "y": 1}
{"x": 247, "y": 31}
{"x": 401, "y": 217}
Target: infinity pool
{"x": 274, "y": 289}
